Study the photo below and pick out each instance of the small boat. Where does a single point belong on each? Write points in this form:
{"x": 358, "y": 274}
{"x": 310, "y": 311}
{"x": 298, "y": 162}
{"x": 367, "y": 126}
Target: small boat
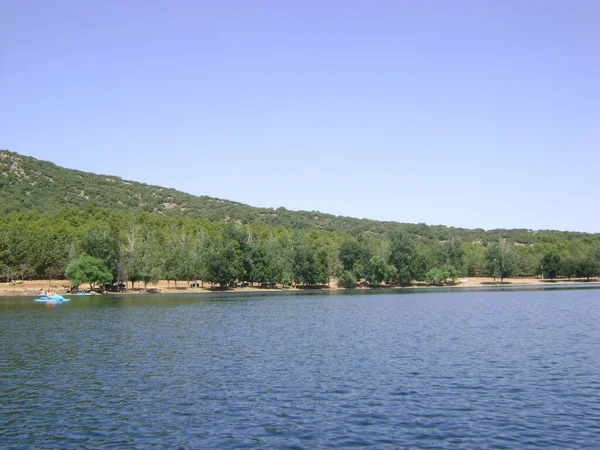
{"x": 82, "y": 293}
{"x": 45, "y": 298}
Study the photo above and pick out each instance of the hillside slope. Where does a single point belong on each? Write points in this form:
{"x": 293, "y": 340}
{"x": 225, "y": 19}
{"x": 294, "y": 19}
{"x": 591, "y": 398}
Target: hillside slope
{"x": 29, "y": 184}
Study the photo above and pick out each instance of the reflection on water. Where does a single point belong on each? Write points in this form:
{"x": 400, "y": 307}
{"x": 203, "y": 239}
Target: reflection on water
{"x": 508, "y": 369}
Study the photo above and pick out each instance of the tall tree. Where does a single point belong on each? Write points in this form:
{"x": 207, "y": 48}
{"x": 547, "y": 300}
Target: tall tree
{"x": 402, "y": 257}
{"x": 475, "y": 259}
{"x": 150, "y": 260}
{"x": 245, "y": 245}
{"x": 551, "y": 263}
{"x": 130, "y": 260}
{"x": 99, "y": 243}
{"x": 451, "y": 254}
{"x": 4, "y": 256}
{"x": 527, "y": 262}
{"x": 223, "y": 262}
{"x": 499, "y": 260}
{"x": 350, "y": 254}
{"x": 302, "y": 259}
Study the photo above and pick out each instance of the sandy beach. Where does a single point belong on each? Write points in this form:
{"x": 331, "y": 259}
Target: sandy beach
{"x": 32, "y": 287}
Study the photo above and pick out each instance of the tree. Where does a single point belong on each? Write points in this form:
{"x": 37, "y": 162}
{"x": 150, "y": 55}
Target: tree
{"x": 438, "y": 275}
{"x": 49, "y": 255}
{"x": 499, "y": 260}
{"x": 321, "y": 266}
{"x": 130, "y": 260}
{"x": 378, "y": 270}
{"x": 475, "y": 259}
{"x": 102, "y": 245}
{"x": 151, "y": 262}
{"x": 402, "y": 258}
{"x": 302, "y": 258}
{"x": 527, "y": 262}
{"x": 551, "y": 263}
{"x": 19, "y": 245}
{"x": 350, "y": 255}
{"x": 179, "y": 256}
{"x": 451, "y": 254}
{"x": 87, "y": 269}
{"x": 422, "y": 260}
{"x": 587, "y": 267}
{"x": 223, "y": 262}
{"x": 4, "y": 255}
{"x": 245, "y": 245}
{"x": 347, "y": 279}
{"x": 275, "y": 263}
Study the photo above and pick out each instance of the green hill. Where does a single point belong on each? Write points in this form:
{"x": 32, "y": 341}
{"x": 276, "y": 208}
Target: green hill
{"x": 53, "y": 220}
{"x": 29, "y": 184}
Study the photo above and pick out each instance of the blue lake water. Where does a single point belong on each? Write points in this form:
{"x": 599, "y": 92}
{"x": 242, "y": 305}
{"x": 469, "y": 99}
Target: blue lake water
{"x": 415, "y": 369}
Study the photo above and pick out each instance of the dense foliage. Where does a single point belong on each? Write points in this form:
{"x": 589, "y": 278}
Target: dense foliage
{"x": 144, "y": 233}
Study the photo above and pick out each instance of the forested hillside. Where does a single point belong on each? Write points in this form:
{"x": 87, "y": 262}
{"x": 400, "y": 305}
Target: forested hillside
{"x": 101, "y": 228}
{"x": 28, "y": 184}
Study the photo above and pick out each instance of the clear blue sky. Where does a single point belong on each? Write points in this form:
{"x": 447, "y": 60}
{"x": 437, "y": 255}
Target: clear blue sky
{"x": 464, "y": 113}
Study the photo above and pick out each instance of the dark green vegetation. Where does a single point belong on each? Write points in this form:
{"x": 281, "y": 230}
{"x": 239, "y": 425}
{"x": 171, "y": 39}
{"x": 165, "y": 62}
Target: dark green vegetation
{"x": 52, "y": 218}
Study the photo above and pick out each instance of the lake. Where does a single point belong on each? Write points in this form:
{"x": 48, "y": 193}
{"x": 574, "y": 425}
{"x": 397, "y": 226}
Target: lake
{"x": 514, "y": 368}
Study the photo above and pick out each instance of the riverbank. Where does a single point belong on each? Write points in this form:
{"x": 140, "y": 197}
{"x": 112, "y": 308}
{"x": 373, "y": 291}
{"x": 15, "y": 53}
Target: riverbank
{"x": 32, "y": 287}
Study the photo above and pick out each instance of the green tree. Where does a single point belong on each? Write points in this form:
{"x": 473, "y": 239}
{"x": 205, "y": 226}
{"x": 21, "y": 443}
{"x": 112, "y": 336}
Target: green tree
{"x": 100, "y": 244}
{"x": 551, "y": 263}
{"x": 49, "y": 256}
{"x": 587, "y": 267}
{"x": 378, "y": 271}
{"x": 177, "y": 263}
{"x": 350, "y": 255}
{"x": 20, "y": 244}
{"x": 347, "y": 279}
{"x": 87, "y": 269}
{"x": 421, "y": 262}
{"x": 130, "y": 259}
{"x": 151, "y": 261}
{"x": 402, "y": 257}
{"x": 438, "y": 275}
{"x": 179, "y": 257}
{"x": 223, "y": 264}
{"x": 4, "y": 256}
{"x": 302, "y": 260}
{"x": 527, "y": 262}
{"x": 499, "y": 260}
{"x": 475, "y": 259}
{"x": 451, "y": 254}
{"x": 245, "y": 246}
{"x": 276, "y": 264}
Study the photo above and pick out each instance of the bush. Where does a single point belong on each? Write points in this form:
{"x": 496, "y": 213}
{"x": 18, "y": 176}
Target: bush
{"x": 347, "y": 279}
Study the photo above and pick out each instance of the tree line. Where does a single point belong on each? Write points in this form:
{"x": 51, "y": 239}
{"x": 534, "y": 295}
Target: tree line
{"x": 97, "y": 245}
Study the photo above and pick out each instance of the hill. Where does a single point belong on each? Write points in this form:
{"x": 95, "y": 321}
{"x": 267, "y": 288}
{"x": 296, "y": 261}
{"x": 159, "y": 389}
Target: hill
{"x": 29, "y": 184}
{"x": 57, "y": 222}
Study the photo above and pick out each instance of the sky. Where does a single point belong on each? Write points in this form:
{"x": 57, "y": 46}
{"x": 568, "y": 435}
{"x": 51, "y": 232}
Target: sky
{"x": 475, "y": 114}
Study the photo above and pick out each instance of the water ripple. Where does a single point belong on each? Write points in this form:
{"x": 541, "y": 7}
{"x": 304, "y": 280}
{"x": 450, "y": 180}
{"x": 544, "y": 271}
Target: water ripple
{"x": 438, "y": 370}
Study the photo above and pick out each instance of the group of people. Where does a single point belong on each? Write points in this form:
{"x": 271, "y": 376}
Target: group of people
{"x": 44, "y": 293}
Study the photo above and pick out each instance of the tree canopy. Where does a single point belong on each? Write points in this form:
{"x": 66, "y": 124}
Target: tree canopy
{"x": 87, "y": 269}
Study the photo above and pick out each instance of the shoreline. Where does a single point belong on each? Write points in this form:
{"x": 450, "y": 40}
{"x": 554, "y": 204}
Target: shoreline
{"x": 30, "y": 288}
